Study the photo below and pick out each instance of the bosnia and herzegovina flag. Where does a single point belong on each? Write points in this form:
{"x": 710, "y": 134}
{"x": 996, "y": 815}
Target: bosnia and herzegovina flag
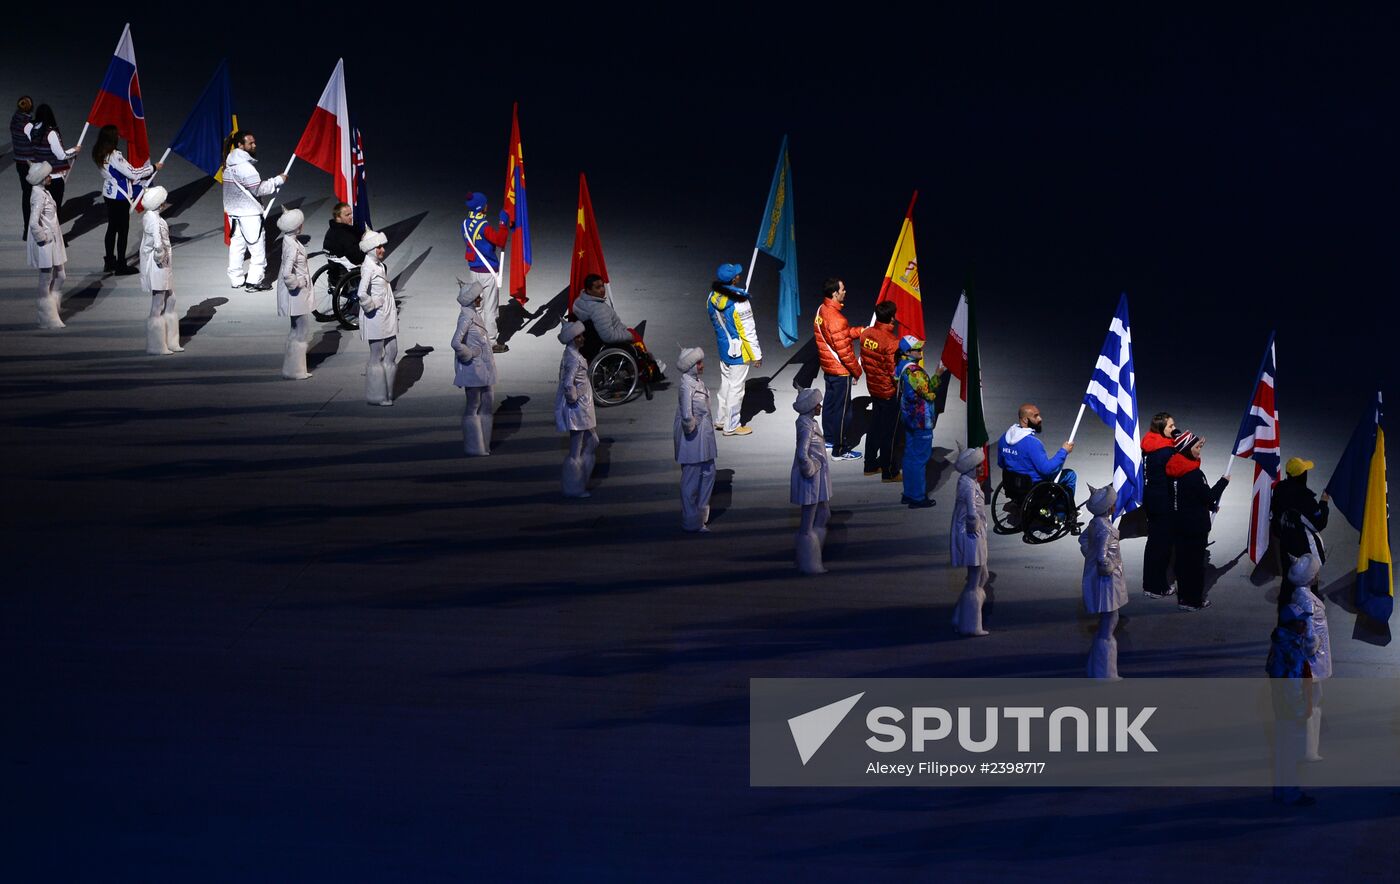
{"x": 516, "y": 210}
{"x": 588, "y": 248}
{"x": 777, "y": 238}
{"x": 1358, "y": 488}
{"x": 118, "y": 102}
{"x": 901, "y": 283}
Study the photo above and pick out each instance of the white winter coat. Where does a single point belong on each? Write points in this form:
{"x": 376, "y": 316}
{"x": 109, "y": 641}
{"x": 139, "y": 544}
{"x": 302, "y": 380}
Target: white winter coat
{"x": 1321, "y": 660}
{"x": 694, "y": 428}
{"x": 1105, "y": 587}
{"x": 45, "y": 236}
{"x": 811, "y": 474}
{"x": 379, "y": 315}
{"x": 475, "y": 363}
{"x": 967, "y": 534}
{"x": 238, "y": 169}
{"x": 293, "y": 279}
{"x": 573, "y": 402}
{"x": 604, "y": 318}
{"x": 157, "y": 274}
{"x": 113, "y": 189}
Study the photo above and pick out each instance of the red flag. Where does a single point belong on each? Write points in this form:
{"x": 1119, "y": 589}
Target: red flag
{"x": 901, "y": 283}
{"x": 588, "y": 248}
{"x": 514, "y": 205}
{"x": 326, "y": 142}
{"x": 119, "y": 104}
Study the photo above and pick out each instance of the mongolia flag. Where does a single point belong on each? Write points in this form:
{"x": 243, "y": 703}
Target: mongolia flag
{"x": 515, "y": 208}
{"x": 326, "y": 142}
{"x": 588, "y": 248}
{"x": 201, "y": 140}
{"x": 964, "y": 362}
{"x": 901, "y": 283}
{"x": 360, "y": 204}
{"x": 777, "y": 238}
{"x": 1358, "y": 488}
{"x": 1112, "y": 395}
{"x": 119, "y": 102}
{"x": 1258, "y": 440}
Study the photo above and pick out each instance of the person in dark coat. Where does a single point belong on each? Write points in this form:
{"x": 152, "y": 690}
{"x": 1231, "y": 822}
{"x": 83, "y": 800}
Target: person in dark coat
{"x": 1192, "y": 502}
{"x": 23, "y": 152}
{"x": 342, "y": 241}
{"x": 1297, "y": 516}
{"x": 1157, "y": 501}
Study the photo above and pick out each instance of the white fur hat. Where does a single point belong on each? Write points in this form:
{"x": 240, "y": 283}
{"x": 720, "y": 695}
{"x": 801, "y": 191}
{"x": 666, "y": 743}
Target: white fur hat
{"x": 290, "y": 221}
{"x": 1101, "y": 500}
{"x": 689, "y": 357}
{"x": 468, "y": 293}
{"x": 37, "y": 173}
{"x": 807, "y": 401}
{"x": 569, "y": 331}
{"x": 371, "y": 240}
{"x": 154, "y": 198}
{"x": 1303, "y": 571}
{"x": 969, "y": 460}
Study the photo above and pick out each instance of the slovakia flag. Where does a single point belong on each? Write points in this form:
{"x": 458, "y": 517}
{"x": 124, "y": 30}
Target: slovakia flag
{"x": 326, "y": 142}
{"x": 119, "y": 102}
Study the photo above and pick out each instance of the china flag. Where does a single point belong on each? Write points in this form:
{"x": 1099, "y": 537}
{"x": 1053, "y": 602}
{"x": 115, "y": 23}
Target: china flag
{"x": 588, "y": 249}
{"x": 901, "y": 283}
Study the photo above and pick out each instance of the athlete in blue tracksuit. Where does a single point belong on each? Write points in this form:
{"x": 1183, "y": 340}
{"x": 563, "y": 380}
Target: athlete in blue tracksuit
{"x": 1020, "y": 450}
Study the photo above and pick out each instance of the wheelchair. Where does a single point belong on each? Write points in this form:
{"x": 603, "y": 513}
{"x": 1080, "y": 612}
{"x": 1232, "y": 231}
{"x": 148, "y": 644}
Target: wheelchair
{"x": 1040, "y": 511}
{"x": 614, "y": 370}
{"x": 335, "y": 296}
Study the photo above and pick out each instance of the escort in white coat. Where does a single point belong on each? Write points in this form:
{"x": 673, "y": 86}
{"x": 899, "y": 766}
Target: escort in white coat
{"x": 248, "y": 239}
{"x": 475, "y": 370}
{"x": 379, "y": 320}
{"x": 1105, "y": 588}
{"x": 158, "y": 276}
{"x": 294, "y": 295}
{"x": 573, "y": 412}
{"x": 810, "y": 484}
{"x": 967, "y": 536}
{"x": 45, "y": 249}
{"x": 694, "y": 435}
{"x": 1302, "y": 574}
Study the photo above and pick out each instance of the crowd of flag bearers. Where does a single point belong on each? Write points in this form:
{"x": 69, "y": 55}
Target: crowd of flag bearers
{"x": 1161, "y": 471}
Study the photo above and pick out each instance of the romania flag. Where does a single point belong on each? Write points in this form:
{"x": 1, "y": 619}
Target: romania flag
{"x": 1358, "y": 488}
{"x": 901, "y": 283}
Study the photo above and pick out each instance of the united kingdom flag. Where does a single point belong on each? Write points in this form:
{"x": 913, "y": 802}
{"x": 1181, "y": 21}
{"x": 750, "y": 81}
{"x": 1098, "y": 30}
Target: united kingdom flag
{"x": 1258, "y": 440}
{"x": 357, "y": 163}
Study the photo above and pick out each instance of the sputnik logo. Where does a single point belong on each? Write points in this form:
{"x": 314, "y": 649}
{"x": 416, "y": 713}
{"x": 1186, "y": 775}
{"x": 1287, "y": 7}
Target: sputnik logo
{"x": 811, "y": 729}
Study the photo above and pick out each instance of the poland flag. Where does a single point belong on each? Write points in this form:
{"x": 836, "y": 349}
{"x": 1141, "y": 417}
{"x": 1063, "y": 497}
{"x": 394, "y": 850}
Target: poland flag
{"x": 326, "y": 142}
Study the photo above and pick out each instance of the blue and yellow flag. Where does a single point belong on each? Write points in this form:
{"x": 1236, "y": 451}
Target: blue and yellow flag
{"x": 1358, "y": 489}
{"x": 777, "y": 237}
{"x": 201, "y": 139}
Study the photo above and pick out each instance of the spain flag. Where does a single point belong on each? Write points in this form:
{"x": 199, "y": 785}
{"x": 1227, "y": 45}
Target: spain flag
{"x": 901, "y": 283}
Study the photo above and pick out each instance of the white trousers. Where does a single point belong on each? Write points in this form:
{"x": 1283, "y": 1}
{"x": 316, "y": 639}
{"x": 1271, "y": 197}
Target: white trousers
{"x": 697, "y": 484}
{"x": 490, "y": 302}
{"x": 244, "y": 243}
{"x": 731, "y": 395}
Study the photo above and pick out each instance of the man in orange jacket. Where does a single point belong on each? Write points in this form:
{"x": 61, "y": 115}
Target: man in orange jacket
{"x": 836, "y": 347}
{"x": 879, "y": 345}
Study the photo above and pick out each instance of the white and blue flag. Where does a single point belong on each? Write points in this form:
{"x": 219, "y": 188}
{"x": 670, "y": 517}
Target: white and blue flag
{"x": 1112, "y": 395}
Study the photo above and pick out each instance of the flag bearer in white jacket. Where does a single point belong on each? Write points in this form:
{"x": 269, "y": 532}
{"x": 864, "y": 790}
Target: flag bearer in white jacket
{"x": 45, "y": 250}
{"x": 695, "y": 441}
{"x": 475, "y": 369}
{"x": 968, "y": 543}
{"x": 242, "y": 187}
{"x": 379, "y": 320}
{"x": 573, "y": 412}
{"x": 294, "y": 295}
{"x": 157, "y": 276}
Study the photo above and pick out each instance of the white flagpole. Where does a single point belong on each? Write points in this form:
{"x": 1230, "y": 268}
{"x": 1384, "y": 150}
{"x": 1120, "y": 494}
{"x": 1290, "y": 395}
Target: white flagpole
{"x": 147, "y": 185}
{"x": 81, "y": 136}
{"x": 1072, "y": 433}
{"x": 293, "y": 159}
{"x": 752, "y": 261}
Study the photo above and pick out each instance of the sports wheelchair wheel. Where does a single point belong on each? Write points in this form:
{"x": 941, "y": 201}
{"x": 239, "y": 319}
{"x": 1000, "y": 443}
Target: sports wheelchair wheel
{"x": 614, "y": 375}
{"x": 1047, "y": 513}
{"x": 322, "y": 306}
{"x": 1006, "y": 511}
{"x": 345, "y": 300}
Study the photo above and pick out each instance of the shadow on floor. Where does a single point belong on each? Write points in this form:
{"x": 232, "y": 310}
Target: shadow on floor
{"x": 198, "y": 316}
{"x": 186, "y": 195}
{"x": 325, "y": 348}
{"x": 82, "y": 299}
{"x": 509, "y": 416}
{"x": 410, "y": 369}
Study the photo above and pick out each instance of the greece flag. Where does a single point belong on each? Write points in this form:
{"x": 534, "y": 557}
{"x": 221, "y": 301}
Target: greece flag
{"x": 1112, "y": 395}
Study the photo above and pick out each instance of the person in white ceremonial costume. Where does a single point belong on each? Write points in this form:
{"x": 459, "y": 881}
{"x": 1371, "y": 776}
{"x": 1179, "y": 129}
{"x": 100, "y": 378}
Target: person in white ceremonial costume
{"x": 967, "y": 535}
{"x": 156, "y": 266}
{"x": 45, "y": 250}
{"x": 474, "y": 369}
{"x": 694, "y": 434}
{"x": 1105, "y": 588}
{"x": 810, "y": 483}
{"x": 573, "y": 412}
{"x": 379, "y": 320}
{"x": 294, "y": 295}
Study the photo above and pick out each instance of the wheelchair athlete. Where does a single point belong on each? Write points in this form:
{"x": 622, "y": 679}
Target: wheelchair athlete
{"x": 1021, "y": 452}
{"x": 592, "y": 307}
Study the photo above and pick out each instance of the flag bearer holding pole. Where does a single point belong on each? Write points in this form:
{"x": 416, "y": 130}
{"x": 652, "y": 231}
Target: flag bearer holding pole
{"x": 242, "y": 187}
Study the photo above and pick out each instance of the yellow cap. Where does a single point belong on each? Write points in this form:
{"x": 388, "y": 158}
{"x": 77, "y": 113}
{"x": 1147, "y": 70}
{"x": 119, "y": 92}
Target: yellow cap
{"x": 1296, "y": 466}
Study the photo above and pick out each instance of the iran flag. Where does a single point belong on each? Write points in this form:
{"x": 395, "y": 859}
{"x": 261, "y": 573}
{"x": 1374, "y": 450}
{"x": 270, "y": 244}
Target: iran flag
{"x": 326, "y": 142}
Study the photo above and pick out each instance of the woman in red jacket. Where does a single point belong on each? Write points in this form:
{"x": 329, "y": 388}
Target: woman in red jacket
{"x": 1193, "y": 500}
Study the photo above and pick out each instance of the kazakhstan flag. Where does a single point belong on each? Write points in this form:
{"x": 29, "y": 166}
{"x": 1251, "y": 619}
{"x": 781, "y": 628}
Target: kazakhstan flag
{"x": 777, "y": 237}
{"x": 1359, "y": 490}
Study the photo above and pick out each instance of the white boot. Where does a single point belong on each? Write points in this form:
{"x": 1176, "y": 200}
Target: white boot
{"x": 48, "y": 311}
{"x": 574, "y": 481}
{"x": 967, "y": 613}
{"x": 390, "y": 369}
{"x": 809, "y": 553}
{"x": 155, "y": 336}
{"x": 375, "y": 392}
{"x": 294, "y": 361}
{"x": 471, "y": 436}
{"x": 1314, "y": 734}
{"x": 486, "y": 421}
{"x": 1103, "y": 659}
{"x": 172, "y": 330}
